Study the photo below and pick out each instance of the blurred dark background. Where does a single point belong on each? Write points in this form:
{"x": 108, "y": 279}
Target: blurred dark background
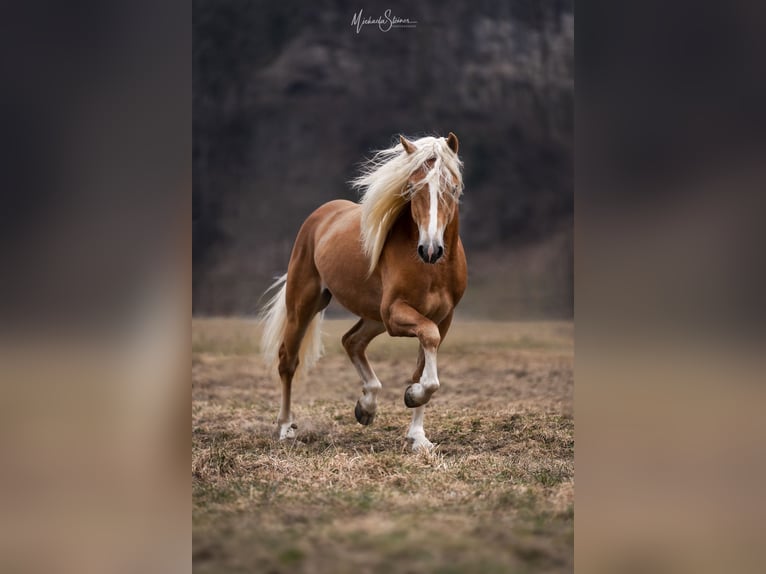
{"x": 288, "y": 98}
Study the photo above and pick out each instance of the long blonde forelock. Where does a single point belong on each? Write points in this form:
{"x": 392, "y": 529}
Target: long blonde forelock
{"x": 383, "y": 183}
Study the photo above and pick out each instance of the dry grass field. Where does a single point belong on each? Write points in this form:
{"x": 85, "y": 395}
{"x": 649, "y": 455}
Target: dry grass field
{"x": 495, "y": 496}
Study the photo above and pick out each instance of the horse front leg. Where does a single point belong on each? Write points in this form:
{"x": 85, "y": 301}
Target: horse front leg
{"x": 402, "y": 320}
{"x": 421, "y": 364}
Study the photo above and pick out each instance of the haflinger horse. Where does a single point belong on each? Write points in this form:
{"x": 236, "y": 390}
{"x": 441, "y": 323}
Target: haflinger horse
{"x": 394, "y": 259}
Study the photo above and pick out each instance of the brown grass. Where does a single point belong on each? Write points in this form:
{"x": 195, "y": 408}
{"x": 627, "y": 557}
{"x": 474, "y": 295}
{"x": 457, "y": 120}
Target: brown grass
{"x": 495, "y": 496}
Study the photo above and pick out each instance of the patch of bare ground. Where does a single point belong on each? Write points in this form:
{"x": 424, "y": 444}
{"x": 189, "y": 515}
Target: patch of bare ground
{"x": 495, "y": 496}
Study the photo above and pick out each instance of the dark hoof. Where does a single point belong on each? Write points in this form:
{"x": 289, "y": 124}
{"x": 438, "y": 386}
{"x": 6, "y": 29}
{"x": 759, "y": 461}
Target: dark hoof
{"x": 362, "y": 417}
{"x": 409, "y": 400}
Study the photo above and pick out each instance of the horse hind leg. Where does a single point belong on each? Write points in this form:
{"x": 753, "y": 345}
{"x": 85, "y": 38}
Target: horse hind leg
{"x": 300, "y": 344}
{"x": 355, "y": 342}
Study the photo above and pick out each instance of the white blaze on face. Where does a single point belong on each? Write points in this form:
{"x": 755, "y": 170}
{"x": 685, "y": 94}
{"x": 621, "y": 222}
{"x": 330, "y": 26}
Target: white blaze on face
{"x": 433, "y": 212}
{"x": 431, "y": 237}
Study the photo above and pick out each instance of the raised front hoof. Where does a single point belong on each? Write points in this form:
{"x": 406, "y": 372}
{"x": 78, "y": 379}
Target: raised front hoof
{"x": 411, "y": 400}
{"x": 362, "y": 416}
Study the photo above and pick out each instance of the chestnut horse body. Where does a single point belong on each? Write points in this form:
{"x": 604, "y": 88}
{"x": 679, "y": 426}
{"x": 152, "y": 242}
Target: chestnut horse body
{"x": 395, "y": 260}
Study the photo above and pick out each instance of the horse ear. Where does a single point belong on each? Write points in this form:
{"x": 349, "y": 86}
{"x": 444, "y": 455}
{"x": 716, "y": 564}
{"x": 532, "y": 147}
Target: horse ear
{"x": 407, "y": 144}
{"x": 452, "y": 142}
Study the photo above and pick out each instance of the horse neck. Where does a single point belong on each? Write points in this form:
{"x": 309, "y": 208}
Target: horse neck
{"x": 452, "y": 231}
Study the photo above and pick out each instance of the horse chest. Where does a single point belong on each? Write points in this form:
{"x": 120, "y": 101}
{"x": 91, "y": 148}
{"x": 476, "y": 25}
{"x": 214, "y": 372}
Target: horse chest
{"x": 430, "y": 294}
{"x": 437, "y": 305}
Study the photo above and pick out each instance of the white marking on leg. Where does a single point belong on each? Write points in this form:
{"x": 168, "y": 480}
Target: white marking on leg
{"x": 370, "y": 385}
{"x": 416, "y": 433}
{"x": 430, "y": 379}
{"x": 286, "y": 430}
{"x": 285, "y": 422}
{"x": 429, "y": 382}
{"x": 369, "y": 400}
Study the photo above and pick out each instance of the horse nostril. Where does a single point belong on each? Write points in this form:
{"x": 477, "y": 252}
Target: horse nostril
{"x": 436, "y": 254}
{"x": 422, "y": 252}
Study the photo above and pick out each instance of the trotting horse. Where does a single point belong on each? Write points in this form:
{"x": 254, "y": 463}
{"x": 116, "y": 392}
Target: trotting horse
{"x": 395, "y": 259}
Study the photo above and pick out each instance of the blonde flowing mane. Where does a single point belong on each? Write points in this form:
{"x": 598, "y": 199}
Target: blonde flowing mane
{"x": 383, "y": 184}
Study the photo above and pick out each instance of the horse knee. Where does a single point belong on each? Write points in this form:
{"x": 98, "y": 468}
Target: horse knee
{"x": 429, "y": 337}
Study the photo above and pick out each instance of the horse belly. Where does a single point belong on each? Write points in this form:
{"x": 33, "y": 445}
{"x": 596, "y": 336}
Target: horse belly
{"x": 361, "y": 300}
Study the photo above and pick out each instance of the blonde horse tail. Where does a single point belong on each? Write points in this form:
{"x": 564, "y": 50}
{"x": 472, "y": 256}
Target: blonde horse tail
{"x": 273, "y": 317}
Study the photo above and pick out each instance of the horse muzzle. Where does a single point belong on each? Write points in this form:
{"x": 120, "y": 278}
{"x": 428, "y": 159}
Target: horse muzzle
{"x": 430, "y": 253}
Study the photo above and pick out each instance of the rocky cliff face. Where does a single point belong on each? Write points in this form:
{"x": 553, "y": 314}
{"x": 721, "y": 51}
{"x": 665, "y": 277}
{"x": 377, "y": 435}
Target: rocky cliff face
{"x": 288, "y": 98}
